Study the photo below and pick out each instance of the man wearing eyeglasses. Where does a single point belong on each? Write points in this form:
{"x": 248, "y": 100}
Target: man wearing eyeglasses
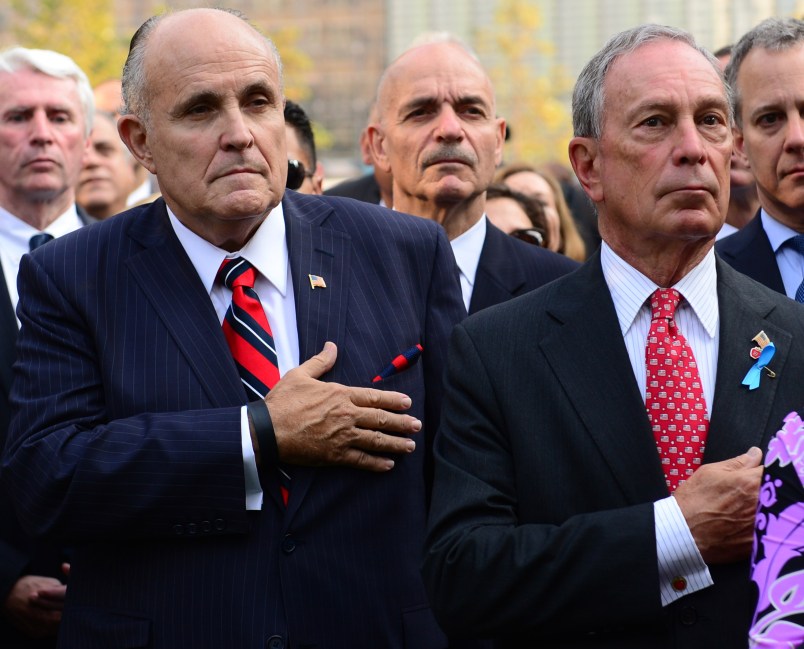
{"x": 305, "y": 172}
{"x": 439, "y": 137}
{"x": 225, "y": 399}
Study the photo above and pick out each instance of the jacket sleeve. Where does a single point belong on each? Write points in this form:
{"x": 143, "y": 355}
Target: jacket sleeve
{"x": 73, "y": 471}
{"x": 491, "y": 570}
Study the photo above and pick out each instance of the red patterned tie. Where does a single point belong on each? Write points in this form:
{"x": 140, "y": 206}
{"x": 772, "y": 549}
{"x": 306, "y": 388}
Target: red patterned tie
{"x": 674, "y": 396}
{"x": 249, "y": 336}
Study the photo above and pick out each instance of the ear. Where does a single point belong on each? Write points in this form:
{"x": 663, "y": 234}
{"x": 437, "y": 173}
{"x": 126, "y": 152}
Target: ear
{"x": 498, "y": 149}
{"x": 377, "y": 144}
{"x": 585, "y": 159}
{"x": 135, "y": 136}
{"x": 318, "y": 178}
{"x": 739, "y": 144}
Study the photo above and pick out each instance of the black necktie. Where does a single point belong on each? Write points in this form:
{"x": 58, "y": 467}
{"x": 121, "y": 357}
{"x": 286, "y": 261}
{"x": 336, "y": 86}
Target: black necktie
{"x": 39, "y": 240}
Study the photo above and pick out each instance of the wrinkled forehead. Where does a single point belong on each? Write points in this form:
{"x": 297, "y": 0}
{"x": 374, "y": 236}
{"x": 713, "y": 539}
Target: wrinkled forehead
{"x": 442, "y": 71}
{"x": 226, "y": 41}
{"x": 662, "y": 72}
{"x": 30, "y": 89}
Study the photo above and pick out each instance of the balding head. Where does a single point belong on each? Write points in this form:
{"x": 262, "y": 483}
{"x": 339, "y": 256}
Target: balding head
{"x": 172, "y": 29}
{"x": 437, "y": 133}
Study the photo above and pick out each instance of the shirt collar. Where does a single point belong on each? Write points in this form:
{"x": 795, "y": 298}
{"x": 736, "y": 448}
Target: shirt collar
{"x": 19, "y": 232}
{"x": 266, "y": 250}
{"x": 630, "y": 289}
{"x": 777, "y": 232}
{"x": 467, "y": 248}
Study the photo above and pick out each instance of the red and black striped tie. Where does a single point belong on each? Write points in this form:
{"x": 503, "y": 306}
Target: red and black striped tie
{"x": 249, "y": 335}
{"x": 247, "y": 330}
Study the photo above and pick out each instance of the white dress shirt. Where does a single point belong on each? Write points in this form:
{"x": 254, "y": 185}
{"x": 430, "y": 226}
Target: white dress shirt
{"x": 267, "y": 251}
{"x": 790, "y": 262}
{"x": 467, "y": 248}
{"x": 698, "y": 320}
{"x": 15, "y": 237}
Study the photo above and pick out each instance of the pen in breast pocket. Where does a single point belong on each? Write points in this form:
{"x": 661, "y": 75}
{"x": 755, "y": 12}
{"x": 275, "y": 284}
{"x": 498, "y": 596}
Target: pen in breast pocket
{"x": 402, "y": 362}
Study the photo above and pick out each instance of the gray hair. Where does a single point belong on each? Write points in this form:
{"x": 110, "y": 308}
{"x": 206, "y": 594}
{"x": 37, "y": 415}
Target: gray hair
{"x": 54, "y": 65}
{"x": 588, "y": 96}
{"x": 136, "y": 98}
{"x": 773, "y": 34}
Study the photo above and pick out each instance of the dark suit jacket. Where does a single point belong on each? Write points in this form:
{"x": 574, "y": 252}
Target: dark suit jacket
{"x": 542, "y": 525}
{"x": 364, "y": 188}
{"x": 126, "y": 439}
{"x": 509, "y": 267}
{"x": 19, "y": 555}
{"x": 750, "y": 252}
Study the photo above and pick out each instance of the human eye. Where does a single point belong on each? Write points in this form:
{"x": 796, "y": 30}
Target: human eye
{"x": 16, "y": 117}
{"x": 768, "y": 119}
{"x": 473, "y": 110}
{"x": 652, "y": 122}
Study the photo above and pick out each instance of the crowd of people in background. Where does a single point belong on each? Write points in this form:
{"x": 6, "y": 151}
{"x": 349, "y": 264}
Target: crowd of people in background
{"x": 460, "y": 401}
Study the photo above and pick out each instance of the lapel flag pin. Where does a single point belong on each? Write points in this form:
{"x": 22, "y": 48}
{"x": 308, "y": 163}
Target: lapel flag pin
{"x": 317, "y": 282}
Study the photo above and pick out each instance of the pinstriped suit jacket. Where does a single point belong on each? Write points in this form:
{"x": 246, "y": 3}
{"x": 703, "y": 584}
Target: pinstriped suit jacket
{"x": 126, "y": 439}
{"x": 18, "y": 554}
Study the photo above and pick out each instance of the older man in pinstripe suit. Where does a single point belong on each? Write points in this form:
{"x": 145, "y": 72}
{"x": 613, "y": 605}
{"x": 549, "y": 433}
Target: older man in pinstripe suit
{"x": 132, "y": 437}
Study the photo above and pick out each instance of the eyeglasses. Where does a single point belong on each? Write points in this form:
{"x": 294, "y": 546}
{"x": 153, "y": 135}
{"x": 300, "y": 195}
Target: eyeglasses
{"x": 529, "y": 235}
{"x": 296, "y": 174}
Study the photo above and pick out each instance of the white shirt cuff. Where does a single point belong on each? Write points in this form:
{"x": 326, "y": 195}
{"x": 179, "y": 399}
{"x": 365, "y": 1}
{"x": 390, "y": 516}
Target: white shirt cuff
{"x": 253, "y": 487}
{"x": 682, "y": 570}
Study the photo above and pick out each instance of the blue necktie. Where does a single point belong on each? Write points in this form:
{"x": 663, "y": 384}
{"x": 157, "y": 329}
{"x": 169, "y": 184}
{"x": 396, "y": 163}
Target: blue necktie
{"x": 797, "y": 244}
{"x": 39, "y": 240}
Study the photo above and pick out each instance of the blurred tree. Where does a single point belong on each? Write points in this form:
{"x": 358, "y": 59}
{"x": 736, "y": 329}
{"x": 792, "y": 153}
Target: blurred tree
{"x": 86, "y": 30}
{"x": 531, "y": 89}
{"x": 82, "y": 29}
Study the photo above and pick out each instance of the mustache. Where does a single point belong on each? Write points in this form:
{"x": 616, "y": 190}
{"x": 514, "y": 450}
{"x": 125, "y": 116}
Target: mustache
{"x": 449, "y": 152}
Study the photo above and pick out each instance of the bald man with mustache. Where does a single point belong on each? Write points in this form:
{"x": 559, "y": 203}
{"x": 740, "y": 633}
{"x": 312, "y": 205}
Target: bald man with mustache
{"x": 438, "y": 134}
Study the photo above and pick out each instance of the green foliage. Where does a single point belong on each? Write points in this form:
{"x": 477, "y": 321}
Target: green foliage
{"x": 82, "y": 29}
{"x": 529, "y": 86}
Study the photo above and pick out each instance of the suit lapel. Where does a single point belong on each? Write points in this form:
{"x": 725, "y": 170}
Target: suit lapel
{"x": 743, "y": 314}
{"x": 320, "y": 312}
{"x": 754, "y": 256}
{"x": 587, "y": 353}
{"x": 498, "y": 276}
{"x": 174, "y": 290}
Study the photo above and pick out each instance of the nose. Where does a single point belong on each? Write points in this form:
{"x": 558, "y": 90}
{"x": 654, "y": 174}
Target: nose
{"x": 794, "y": 138}
{"x": 235, "y": 133}
{"x": 449, "y": 127}
{"x": 690, "y": 147}
{"x": 41, "y": 128}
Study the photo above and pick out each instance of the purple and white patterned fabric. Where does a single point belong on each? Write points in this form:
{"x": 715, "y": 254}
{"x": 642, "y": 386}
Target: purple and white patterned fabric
{"x": 778, "y": 560}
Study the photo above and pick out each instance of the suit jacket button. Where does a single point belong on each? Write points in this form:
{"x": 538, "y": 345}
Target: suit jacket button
{"x": 688, "y": 615}
{"x": 192, "y": 528}
{"x": 288, "y": 544}
{"x": 220, "y": 524}
{"x": 178, "y": 529}
{"x": 206, "y": 527}
{"x": 275, "y": 642}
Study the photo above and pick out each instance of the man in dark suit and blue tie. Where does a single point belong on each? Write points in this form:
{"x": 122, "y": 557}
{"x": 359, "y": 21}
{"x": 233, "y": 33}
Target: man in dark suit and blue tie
{"x": 138, "y": 438}
{"x": 768, "y": 90}
{"x": 437, "y": 133}
{"x": 597, "y": 486}
{"x": 46, "y": 115}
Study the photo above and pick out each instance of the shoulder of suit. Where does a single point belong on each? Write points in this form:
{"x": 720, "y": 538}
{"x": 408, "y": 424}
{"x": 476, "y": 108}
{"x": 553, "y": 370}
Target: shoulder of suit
{"x": 742, "y": 239}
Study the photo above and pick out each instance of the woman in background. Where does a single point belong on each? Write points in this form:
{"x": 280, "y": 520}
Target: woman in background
{"x": 539, "y": 184}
